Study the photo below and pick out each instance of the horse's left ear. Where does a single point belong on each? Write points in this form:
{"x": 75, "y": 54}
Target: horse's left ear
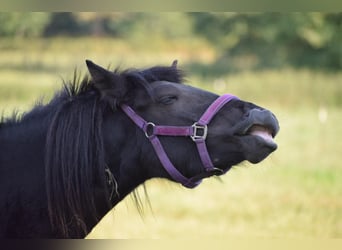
{"x": 174, "y": 64}
{"x": 98, "y": 74}
{"x": 111, "y": 85}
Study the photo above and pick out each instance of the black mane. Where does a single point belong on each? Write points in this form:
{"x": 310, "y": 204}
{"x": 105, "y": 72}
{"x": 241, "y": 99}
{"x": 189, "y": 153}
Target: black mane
{"x": 74, "y": 157}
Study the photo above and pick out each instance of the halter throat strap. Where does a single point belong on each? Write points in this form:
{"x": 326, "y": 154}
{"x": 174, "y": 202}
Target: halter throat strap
{"x": 197, "y": 132}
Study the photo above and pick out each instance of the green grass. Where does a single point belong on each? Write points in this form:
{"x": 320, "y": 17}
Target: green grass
{"x": 296, "y": 192}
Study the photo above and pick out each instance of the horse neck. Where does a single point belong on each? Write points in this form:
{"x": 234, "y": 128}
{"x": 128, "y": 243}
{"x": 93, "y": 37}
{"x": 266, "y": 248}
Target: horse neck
{"x": 22, "y": 171}
{"x": 123, "y": 142}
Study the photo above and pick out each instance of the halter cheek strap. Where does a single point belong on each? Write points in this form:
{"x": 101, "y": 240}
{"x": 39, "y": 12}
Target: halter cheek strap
{"x": 197, "y": 132}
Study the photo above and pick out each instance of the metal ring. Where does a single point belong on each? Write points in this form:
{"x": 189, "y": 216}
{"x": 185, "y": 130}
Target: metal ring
{"x": 149, "y": 129}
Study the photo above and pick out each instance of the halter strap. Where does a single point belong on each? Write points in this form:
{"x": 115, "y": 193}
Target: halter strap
{"x": 204, "y": 121}
{"x": 198, "y": 133}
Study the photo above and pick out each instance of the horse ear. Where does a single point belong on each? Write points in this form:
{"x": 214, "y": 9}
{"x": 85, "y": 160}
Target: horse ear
{"x": 174, "y": 64}
{"x": 98, "y": 74}
{"x": 111, "y": 85}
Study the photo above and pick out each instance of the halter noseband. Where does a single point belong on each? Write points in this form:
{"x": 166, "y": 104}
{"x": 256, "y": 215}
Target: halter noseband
{"x": 197, "y": 132}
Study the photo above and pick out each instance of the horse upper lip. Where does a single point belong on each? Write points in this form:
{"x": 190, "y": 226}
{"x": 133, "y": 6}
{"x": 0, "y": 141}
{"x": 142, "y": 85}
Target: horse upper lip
{"x": 258, "y": 122}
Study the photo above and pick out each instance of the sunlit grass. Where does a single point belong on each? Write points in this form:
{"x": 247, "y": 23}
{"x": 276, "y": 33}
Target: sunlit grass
{"x": 294, "y": 193}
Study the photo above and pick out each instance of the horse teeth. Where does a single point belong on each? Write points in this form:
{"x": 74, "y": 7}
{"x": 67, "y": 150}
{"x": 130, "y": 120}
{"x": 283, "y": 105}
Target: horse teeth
{"x": 262, "y": 132}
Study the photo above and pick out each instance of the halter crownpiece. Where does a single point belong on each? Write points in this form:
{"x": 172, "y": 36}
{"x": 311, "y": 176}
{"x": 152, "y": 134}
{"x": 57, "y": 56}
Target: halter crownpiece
{"x": 197, "y": 132}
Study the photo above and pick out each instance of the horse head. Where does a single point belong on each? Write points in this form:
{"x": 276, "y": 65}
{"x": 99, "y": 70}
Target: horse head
{"x": 160, "y": 118}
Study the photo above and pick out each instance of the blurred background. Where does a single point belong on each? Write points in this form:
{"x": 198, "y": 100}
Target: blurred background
{"x": 290, "y": 63}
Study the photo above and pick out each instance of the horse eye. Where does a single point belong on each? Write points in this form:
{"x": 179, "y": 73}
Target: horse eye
{"x": 167, "y": 100}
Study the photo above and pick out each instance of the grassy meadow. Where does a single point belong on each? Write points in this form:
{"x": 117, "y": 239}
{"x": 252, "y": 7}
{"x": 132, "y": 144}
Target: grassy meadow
{"x": 296, "y": 192}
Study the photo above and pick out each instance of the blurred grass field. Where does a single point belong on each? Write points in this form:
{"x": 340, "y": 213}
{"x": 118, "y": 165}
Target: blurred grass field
{"x": 296, "y": 192}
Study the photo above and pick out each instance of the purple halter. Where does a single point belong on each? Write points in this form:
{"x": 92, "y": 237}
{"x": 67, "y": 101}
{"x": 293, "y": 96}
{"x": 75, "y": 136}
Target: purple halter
{"x": 197, "y": 132}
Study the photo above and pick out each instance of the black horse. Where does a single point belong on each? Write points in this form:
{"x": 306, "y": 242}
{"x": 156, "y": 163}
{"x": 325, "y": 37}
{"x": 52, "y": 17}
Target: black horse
{"x": 65, "y": 164}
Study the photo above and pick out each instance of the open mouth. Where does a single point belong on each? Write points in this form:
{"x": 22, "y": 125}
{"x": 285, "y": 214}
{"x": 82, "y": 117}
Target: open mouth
{"x": 257, "y": 134}
{"x": 261, "y": 126}
{"x": 267, "y": 134}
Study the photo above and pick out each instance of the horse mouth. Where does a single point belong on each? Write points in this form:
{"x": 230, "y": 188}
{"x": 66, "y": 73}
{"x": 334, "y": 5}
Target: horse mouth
{"x": 265, "y": 133}
{"x": 261, "y": 124}
{"x": 257, "y": 134}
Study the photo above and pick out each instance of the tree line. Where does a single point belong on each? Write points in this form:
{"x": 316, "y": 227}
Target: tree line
{"x": 242, "y": 39}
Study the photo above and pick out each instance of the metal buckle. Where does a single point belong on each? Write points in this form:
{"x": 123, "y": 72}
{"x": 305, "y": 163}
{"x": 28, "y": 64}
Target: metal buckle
{"x": 149, "y": 129}
{"x": 216, "y": 171}
{"x": 200, "y": 132}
